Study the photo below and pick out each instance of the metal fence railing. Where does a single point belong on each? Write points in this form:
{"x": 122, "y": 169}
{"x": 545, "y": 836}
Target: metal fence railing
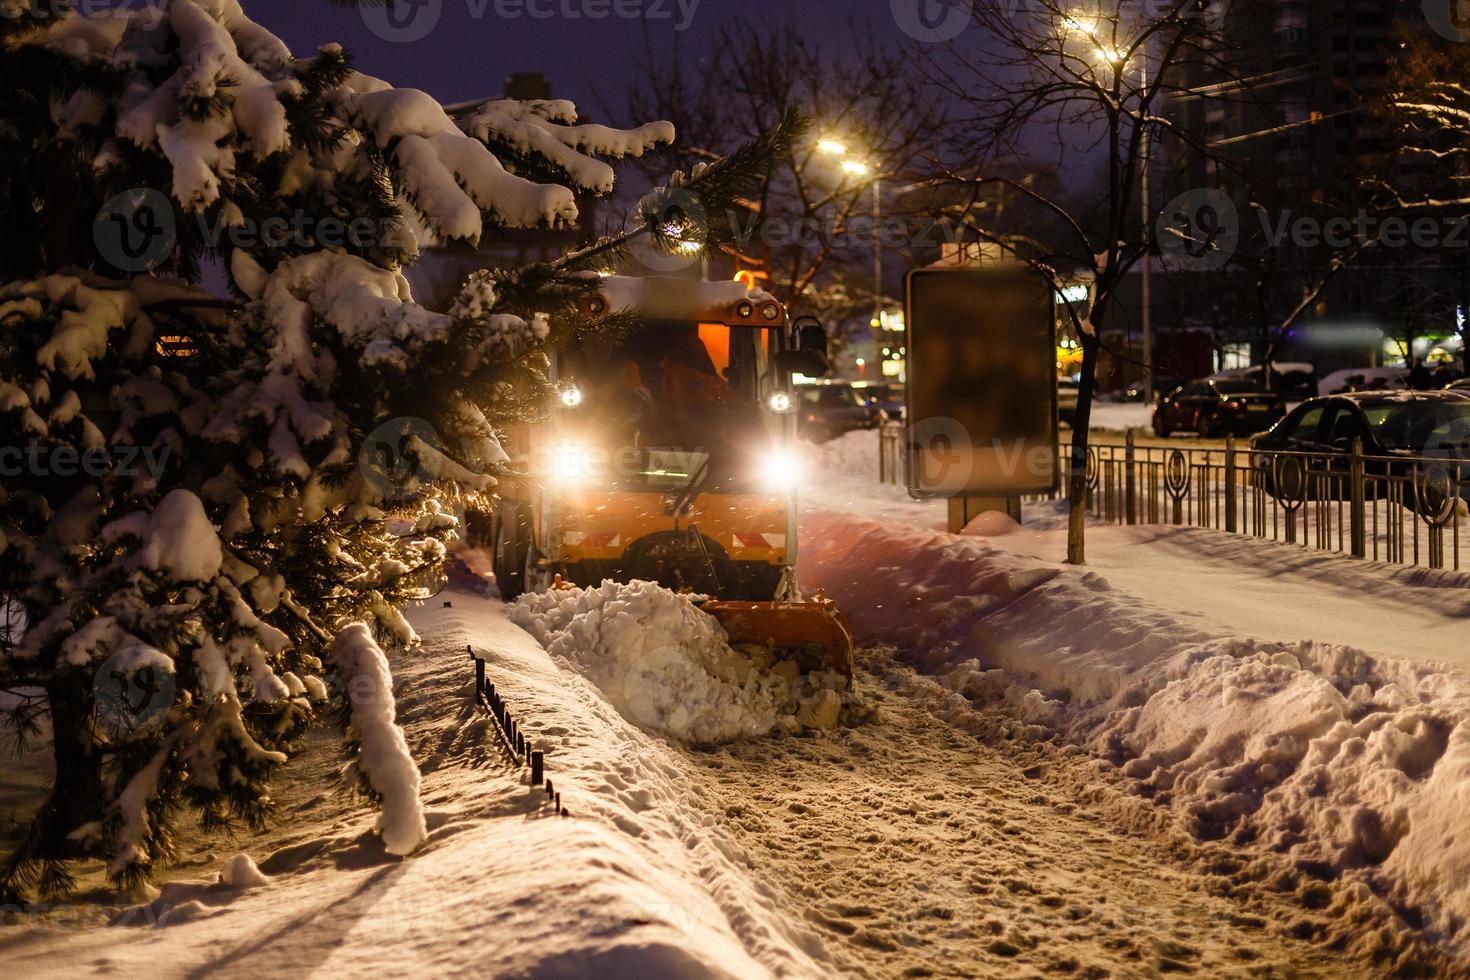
{"x": 1402, "y": 509}
{"x": 1399, "y": 509}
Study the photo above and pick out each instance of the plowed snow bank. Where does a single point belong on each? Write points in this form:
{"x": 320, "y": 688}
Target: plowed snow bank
{"x": 661, "y": 662}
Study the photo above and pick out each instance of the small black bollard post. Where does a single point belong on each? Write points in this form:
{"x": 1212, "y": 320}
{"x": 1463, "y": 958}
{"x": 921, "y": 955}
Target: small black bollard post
{"x": 549, "y": 790}
{"x": 537, "y": 766}
{"x": 480, "y": 678}
{"x": 558, "y": 803}
{"x": 520, "y": 742}
{"x": 448, "y": 604}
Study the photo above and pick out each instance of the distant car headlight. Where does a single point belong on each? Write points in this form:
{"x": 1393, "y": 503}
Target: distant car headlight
{"x": 780, "y": 402}
{"x": 782, "y": 469}
{"x": 571, "y": 396}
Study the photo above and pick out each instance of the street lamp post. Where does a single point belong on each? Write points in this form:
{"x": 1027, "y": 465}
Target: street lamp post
{"x": 858, "y": 168}
{"x": 877, "y": 255}
{"x": 1148, "y": 332}
{"x": 1088, "y": 27}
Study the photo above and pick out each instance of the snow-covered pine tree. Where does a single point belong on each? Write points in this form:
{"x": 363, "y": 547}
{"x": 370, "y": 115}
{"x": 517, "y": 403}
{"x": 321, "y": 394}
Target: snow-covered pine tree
{"x": 189, "y": 539}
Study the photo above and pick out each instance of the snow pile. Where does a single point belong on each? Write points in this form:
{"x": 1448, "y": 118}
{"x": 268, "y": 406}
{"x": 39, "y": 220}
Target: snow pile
{"x": 852, "y": 454}
{"x": 383, "y": 758}
{"x": 1352, "y": 767}
{"x": 661, "y": 662}
{"x": 240, "y": 871}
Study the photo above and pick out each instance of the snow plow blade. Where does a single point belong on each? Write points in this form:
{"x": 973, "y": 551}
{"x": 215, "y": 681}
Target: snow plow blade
{"x": 812, "y": 631}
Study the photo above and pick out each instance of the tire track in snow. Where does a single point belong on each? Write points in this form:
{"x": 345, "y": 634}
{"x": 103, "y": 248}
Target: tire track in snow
{"x": 938, "y": 840}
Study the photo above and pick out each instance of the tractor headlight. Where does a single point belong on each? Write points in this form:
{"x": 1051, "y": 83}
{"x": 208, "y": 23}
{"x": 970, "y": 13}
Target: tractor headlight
{"x": 572, "y": 464}
{"x": 780, "y": 402}
{"x": 571, "y": 396}
{"x": 782, "y": 469}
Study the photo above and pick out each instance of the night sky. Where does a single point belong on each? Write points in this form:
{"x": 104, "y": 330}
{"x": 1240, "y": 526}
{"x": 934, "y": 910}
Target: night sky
{"x": 589, "y": 61}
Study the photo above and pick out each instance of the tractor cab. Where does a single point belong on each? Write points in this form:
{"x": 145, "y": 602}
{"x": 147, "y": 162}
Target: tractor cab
{"x": 670, "y": 454}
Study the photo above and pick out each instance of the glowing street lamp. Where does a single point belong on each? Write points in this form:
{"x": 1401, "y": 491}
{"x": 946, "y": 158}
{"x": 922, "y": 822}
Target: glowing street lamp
{"x": 1118, "y": 60}
{"x": 1080, "y": 25}
{"x": 857, "y": 168}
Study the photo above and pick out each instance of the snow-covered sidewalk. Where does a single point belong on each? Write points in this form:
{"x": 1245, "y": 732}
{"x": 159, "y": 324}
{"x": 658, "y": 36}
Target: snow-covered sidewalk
{"x": 1217, "y": 582}
{"x": 1224, "y": 583}
{"x": 636, "y": 882}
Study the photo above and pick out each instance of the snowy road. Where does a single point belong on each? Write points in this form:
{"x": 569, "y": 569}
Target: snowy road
{"x": 935, "y": 836}
{"x": 1291, "y": 704}
{"x": 920, "y": 846}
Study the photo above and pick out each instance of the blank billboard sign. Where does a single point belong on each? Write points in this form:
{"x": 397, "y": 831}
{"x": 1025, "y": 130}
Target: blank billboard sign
{"x": 982, "y": 382}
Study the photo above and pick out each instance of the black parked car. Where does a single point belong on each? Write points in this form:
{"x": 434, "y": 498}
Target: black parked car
{"x": 1214, "y": 408}
{"x": 828, "y": 409}
{"x": 888, "y": 398}
{"x": 1292, "y": 381}
{"x": 1391, "y": 424}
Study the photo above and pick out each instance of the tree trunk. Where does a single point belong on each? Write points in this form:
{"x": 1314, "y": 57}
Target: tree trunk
{"x": 61, "y": 206}
{"x": 1077, "y": 464}
{"x": 76, "y": 794}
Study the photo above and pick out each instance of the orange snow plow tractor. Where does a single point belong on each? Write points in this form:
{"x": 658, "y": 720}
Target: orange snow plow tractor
{"x": 671, "y": 456}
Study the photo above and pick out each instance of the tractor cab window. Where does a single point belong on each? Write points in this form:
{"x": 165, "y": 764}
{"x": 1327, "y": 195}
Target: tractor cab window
{"x": 683, "y": 399}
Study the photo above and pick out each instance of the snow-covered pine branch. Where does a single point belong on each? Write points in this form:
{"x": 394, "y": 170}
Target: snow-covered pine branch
{"x": 194, "y": 520}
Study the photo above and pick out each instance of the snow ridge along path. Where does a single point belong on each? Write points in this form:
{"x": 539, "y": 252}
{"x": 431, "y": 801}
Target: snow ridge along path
{"x": 1346, "y": 773}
